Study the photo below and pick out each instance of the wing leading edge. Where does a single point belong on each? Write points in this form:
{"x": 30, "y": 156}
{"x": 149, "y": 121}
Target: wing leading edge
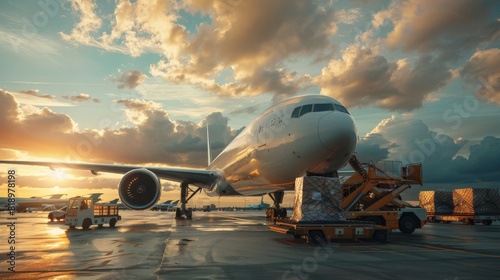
{"x": 198, "y": 177}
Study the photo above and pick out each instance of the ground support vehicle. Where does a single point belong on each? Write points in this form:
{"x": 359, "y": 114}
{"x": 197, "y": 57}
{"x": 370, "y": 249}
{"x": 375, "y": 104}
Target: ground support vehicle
{"x": 315, "y": 232}
{"x": 82, "y": 212}
{"x": 373, "y": 194}
{"x": 58, "y": 215}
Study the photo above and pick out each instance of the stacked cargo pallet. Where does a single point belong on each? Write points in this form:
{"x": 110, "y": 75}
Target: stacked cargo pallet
{"x": 437, "y": 202}
{"x": 317, "y": 199}
{"x": 470, "y": 201}
{"x": 476, "y": 201}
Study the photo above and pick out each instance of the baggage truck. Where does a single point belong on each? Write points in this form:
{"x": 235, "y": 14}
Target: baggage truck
{"x": 83, "y": 212}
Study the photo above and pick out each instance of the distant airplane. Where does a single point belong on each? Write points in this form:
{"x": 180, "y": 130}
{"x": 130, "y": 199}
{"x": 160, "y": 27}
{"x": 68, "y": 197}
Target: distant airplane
{"x": 165, "y": 206}
{"x": 260, "y": 206}
{"x": 304, "y": 135}
{"x": 35, "y": 203}
{"x": 40, "y": 203}
{"x": 114, "y": 201}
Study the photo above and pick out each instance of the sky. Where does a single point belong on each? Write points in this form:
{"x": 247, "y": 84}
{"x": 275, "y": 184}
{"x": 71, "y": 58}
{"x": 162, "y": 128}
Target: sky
{"x": 136, "y": 82}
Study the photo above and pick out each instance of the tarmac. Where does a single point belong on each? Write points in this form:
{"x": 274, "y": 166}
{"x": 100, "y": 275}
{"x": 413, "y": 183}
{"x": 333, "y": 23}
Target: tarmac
{"x": 236, "y": 245}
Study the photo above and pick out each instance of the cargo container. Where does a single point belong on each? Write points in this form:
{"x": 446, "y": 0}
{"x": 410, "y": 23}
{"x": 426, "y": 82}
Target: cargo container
{"x": 470, "y": 205}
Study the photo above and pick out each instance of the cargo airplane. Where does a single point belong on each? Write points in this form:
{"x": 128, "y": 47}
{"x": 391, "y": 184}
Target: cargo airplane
{"x": 311, "y": 135}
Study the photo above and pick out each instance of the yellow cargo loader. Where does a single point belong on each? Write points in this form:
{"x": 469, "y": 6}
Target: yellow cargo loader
{"x": 373, "y": 193}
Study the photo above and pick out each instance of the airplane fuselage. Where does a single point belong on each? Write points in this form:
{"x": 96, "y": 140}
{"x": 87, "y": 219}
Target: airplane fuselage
{"x": 311, "y": 134}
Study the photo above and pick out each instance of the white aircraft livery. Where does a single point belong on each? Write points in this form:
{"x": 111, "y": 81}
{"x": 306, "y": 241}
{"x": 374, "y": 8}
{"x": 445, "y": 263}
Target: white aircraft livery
{"x": 304, "y": 135}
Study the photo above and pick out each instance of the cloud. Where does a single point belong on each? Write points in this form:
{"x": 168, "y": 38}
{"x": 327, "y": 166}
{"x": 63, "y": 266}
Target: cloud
{"x": 35, "y": 92}
{"x": 362, "y": 77}
{"x": 372, "y": 148}
{"x": 245, "y": 110}
{"x": 483, "y": 70}
{"x": 483, "y": 161}
{"x": 349, "y": 16}
{"x": 82, "y": 97}
{"x": 33, "y": 97}
{"x": 411, "y": 141}
{"x": 249, "y": 39}
{"x": 130, "y": 79}
{"x": 89, "y": 22}
{"x": 153, "y": 137}
{"x": 446, "y": 26}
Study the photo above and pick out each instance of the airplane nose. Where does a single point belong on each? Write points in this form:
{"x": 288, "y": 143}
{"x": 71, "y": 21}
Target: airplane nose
{"x": 337, "y": 130}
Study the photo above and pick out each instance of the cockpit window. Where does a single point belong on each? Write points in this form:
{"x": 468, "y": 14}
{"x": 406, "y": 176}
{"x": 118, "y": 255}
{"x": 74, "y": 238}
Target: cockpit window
{"x": 306, "y": 109}
{"x": 341, "y": 109}
{"x": 323, "y": 107}
{"x": 296, "y": 112}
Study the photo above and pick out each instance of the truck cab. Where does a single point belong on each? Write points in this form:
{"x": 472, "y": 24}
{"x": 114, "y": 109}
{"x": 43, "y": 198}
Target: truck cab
{"x": 83, "y": 212}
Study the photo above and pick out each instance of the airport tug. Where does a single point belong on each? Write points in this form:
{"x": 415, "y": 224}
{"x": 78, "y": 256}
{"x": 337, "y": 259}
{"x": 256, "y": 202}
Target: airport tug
{"x": 83, "y": 212}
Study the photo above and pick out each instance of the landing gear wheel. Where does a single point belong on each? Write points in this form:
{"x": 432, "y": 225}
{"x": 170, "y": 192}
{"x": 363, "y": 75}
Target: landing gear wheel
{"x": 487, "y": 222}
{"x": 112, "y": 223}
{"x": 86, "y": 223}
{"x": 280, "y": 212}
{"x": 407, "y": 224}
{"x": 178, "y": 213}
{"x": 189, "y": 213}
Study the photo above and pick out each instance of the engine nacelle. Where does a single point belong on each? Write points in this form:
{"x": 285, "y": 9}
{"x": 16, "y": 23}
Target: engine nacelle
{"x": 139, "y": 189}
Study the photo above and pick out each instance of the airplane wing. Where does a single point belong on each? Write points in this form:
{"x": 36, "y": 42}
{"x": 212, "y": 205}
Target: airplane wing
{"x": 198, "y": 177}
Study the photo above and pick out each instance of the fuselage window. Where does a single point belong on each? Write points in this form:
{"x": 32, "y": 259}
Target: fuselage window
{"x": 306, "y": 109}
{"x": 323, "y": 107}
{"x": 296, "y": 112}
{"x": 341, "y": 108}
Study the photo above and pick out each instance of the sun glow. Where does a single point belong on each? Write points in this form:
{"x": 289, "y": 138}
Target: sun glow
{"x": 59, "y": 174}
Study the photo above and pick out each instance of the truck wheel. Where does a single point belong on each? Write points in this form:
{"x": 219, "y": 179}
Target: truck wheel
{"x": 99, "y": 225}
{"x": 486, "y": 222}
{"x": 407, "y": 224}
{"x": 316, "y": 236}
{"x": 86, "y": 223}
{"x": 51, "y": 217}
{"x": 112, "y": 223}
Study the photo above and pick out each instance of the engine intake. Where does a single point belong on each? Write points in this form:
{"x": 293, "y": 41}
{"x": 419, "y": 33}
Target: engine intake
{"x": 139, "y": 189}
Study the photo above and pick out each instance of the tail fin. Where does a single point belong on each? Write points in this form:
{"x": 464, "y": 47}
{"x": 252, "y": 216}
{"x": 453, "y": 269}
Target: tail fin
{"x": 209, "y": 153}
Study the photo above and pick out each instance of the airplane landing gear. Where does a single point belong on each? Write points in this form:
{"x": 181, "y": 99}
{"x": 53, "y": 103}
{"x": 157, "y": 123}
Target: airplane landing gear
{"x": 183, "y": 212}
{"x": 276, "y": 211}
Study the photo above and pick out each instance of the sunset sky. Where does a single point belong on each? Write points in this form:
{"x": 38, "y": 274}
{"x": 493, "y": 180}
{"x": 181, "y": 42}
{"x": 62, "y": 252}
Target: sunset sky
{"x": 133, "y": 82}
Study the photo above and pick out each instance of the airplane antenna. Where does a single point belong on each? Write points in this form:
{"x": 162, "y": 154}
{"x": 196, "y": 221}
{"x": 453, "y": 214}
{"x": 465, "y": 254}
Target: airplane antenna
{"x": 209, "y": 153}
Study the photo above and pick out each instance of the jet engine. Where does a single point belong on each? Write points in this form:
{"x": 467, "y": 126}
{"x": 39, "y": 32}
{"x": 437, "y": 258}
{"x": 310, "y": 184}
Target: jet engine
{"x": 139, "y": 189}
